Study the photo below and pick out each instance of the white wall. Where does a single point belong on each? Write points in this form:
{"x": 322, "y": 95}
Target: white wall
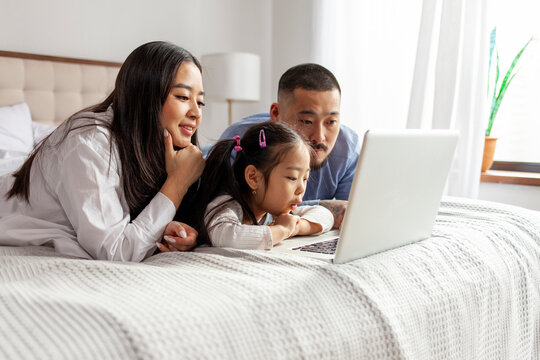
{"x": 519, "y": 195}
{"x": 110, "y": 30}
{"x": 280, "y": 31}
{"x": 292, "y": 37}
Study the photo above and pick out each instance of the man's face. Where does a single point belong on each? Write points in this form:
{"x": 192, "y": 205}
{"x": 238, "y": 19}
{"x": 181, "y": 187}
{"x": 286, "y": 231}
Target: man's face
{"x": 315, "y": 116}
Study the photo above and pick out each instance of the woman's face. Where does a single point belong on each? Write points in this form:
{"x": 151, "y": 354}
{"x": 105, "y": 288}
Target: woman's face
{"x": 181, "y": 112}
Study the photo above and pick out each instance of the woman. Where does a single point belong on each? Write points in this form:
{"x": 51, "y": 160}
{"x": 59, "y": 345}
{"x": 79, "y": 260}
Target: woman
{"x": 108, "y": 181}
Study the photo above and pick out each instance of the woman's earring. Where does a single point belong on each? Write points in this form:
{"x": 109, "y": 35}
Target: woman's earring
{"x": 254, "y": 192}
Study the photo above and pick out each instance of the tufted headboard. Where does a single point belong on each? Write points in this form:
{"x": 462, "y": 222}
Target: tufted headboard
{"x": 54, "y": 87}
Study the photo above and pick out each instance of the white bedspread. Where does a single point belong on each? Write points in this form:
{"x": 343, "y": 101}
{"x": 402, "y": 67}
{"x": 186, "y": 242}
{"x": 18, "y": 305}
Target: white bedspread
{"x": 472, "y": 291}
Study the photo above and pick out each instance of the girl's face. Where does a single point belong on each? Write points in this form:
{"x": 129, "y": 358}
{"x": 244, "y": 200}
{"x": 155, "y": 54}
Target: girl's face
{"x": 286, "y": 183}
{"x": 181, "y": 112}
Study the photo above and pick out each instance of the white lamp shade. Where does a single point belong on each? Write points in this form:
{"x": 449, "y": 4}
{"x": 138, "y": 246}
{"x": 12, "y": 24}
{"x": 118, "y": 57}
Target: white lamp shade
{"x": 231, "y": 76}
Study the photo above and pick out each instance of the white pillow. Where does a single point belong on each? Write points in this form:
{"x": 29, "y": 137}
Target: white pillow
{"x": 16, "y": 128}
{"x": 41, "y": 131}
{"x": 11, "y": 164}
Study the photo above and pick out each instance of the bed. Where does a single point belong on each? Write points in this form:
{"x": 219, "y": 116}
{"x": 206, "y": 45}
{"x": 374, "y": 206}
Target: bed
{"x": 470, "y": 291}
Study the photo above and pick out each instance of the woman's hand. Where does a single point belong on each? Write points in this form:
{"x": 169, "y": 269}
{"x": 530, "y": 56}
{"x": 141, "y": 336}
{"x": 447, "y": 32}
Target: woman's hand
{"x": 183, "y": 168}
{"x": 187, "y": 162}
{"x": 178, "y": 237}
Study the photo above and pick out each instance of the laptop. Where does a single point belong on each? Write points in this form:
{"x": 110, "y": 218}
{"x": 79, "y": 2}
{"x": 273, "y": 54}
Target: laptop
{"x": 395, "y": 196}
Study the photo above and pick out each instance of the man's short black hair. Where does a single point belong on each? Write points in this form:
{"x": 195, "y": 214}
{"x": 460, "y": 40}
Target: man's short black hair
{"x": 308, "y": 77}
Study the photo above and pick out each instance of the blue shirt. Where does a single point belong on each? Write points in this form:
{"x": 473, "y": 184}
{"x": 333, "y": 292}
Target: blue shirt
{"x": 334, "y": 179}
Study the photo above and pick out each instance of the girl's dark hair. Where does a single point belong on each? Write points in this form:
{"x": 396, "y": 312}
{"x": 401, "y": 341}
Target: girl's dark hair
{"x": 142, "y": 86}
{"x": 222, "y": 177}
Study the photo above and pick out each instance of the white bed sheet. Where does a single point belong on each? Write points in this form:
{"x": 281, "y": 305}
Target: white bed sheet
{"x": 471, "y": 291}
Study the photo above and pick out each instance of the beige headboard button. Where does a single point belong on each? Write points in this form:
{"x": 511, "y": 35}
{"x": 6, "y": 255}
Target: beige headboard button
{"x": 11, "y": 81}
{"x": 54, "y": 88}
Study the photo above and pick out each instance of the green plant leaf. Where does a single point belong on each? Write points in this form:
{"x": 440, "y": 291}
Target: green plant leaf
{"x": 492, "y": 38}
{"x": 504, "y": 83}
{"x": 494, "y": 98}
{"x": 498, "y": 97}
{"x": 497, "y": 105}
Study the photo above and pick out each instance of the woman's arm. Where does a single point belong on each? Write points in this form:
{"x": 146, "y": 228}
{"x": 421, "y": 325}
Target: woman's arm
{"x": 90, "y": 192}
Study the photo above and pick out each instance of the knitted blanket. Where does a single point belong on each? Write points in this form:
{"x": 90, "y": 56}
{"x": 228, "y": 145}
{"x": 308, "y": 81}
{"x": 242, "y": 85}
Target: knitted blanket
{"x": 471, "y": 291}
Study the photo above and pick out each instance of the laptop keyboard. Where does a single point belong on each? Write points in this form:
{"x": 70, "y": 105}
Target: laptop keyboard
{"x": 323, "y": 247}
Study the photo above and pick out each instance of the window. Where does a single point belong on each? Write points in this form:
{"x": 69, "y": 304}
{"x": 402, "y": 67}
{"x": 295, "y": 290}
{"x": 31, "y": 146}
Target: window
{"x": 517, "y": 125}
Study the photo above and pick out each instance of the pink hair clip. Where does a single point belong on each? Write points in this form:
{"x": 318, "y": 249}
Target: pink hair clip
{"x": 262, "y": 139}
{"x": 237, "y": 147}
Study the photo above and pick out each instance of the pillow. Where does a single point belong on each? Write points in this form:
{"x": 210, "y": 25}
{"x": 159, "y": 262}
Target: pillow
{"x": 41, "y": 131}
{"x": 16, "y": 128}
{"x": 11, "y": 164}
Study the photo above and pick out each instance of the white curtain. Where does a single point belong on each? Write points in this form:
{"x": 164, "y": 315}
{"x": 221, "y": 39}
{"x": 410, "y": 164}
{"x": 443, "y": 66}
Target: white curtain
{"x": 370, "y": 46}
{"x": 415, "y": 64}
{"x": 450, "y": 83}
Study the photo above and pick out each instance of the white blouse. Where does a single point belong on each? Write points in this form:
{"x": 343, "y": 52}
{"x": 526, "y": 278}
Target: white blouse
{"x": 77, "y": 202}
{"x": 225, "y": 228}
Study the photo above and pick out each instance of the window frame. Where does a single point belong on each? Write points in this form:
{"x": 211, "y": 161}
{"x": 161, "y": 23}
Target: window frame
{"x": 512, "y": 173}
{"x": 517, "y": 166}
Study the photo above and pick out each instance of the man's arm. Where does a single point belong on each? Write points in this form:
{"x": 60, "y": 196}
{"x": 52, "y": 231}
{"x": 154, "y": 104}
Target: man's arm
{"x": 337, "y": 208}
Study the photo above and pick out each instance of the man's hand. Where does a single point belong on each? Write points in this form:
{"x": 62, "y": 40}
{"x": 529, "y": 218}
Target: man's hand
{"x": 337, "y": 208}
{"x": 178, "y": 237}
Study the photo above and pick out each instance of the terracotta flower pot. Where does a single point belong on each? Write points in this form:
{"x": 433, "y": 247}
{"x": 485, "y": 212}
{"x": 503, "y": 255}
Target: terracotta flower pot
{"x": 489, "y": 151}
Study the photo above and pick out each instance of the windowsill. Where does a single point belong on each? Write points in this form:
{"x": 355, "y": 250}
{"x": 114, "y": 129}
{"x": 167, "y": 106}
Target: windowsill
{"x": 510, "y": 177}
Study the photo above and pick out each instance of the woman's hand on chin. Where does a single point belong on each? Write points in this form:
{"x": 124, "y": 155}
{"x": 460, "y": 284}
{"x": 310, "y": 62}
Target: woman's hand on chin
{"x": 187, "y": 164}
{"x": 183, "y": 169}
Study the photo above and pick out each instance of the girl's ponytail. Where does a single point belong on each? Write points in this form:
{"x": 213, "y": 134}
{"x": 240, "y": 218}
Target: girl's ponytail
{"x": 217, "y": 178}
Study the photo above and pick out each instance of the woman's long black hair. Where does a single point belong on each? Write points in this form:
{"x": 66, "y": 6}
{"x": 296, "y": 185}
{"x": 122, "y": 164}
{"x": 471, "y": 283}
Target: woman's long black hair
{"x": 142, "y": 86}
{"x": 221, "y": 177}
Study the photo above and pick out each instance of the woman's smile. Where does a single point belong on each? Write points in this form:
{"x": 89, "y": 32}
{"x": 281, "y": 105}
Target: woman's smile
{"x": 187, "y": 130}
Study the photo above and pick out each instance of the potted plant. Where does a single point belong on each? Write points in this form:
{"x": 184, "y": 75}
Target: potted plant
{"x": 499, "y": 90}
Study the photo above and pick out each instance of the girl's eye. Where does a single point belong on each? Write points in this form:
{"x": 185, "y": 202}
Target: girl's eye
{"x": 201, "y": 104}
{"x": 291, "y": 178}
{"x": 181, "y": 97}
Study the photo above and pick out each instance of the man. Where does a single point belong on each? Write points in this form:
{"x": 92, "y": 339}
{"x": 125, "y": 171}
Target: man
{"x": 309, "y": 101}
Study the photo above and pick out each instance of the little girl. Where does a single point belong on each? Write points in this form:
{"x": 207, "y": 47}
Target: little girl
{"x": 268, "y": 176}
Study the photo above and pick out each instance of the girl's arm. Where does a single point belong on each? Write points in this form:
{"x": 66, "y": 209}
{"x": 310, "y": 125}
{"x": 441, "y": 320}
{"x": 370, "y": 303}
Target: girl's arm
{"x": 284, "y": 227}
{"x": 307, "y": 227}
{"x": 225, "y": 228}
{"x": 314, "y": 219}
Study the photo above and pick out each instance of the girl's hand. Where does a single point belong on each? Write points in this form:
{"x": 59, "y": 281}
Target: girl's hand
{"x": 290, "y": 222}
{"x": 178, "y": 237}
